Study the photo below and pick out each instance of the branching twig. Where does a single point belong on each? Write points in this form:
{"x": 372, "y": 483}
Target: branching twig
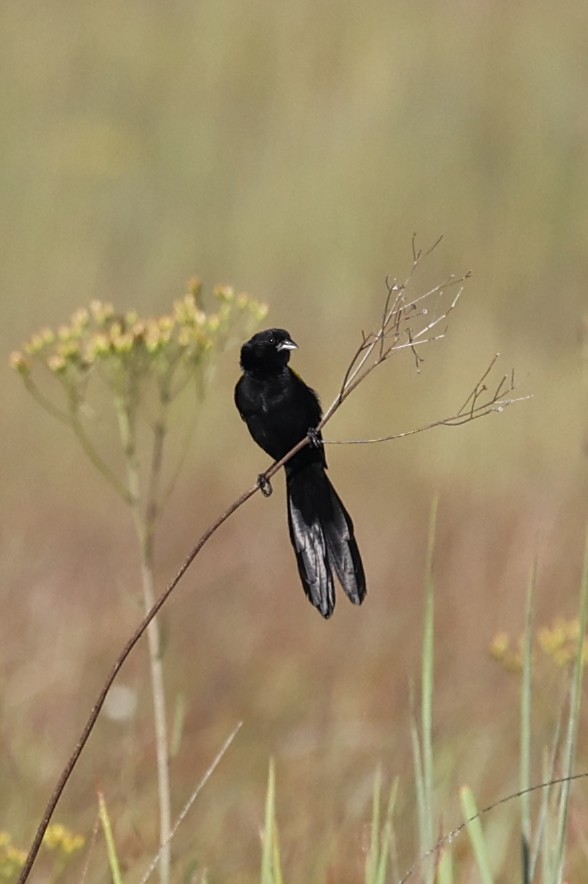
{"x": 473, "y": 408}
{"x": 405, "y": 323}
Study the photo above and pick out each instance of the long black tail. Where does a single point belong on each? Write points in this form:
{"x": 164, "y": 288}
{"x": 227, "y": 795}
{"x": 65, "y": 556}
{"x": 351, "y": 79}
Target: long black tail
{"x": 322, "y": 535}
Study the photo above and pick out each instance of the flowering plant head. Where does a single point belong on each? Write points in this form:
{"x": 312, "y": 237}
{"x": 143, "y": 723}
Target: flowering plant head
{"x": 124, "y": 344}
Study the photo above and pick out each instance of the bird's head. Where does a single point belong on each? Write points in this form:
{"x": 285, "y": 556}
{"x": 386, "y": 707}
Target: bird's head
{"x": 269, "y": 350}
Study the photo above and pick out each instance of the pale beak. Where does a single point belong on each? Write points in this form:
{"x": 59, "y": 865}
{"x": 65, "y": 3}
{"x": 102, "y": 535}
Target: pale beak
{"x": 287, "y": 345}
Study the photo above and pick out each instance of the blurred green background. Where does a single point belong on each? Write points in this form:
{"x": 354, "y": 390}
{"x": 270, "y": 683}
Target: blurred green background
{"x": 292, "y": 150}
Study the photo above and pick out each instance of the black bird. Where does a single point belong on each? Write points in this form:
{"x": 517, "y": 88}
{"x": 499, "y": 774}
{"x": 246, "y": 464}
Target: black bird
{"x": 280, "y": 410}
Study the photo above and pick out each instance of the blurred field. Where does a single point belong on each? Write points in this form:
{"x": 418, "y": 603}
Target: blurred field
{"x": 292, "y": 150}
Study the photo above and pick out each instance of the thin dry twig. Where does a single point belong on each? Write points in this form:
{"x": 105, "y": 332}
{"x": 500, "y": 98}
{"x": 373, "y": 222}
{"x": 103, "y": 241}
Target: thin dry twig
{"x": 452, "y": 835}
{"x": 184, "y": 812}
{"x": 406, "y": 322}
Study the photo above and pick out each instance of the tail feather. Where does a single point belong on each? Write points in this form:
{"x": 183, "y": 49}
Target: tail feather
{"x": 310, "y": 546}
{"x": 343, "y": 550}
{"x": 322, "y": 535}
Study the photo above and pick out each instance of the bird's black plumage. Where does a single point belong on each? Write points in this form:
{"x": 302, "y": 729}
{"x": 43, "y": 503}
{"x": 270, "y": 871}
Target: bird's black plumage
{"x": 279, "y": 410}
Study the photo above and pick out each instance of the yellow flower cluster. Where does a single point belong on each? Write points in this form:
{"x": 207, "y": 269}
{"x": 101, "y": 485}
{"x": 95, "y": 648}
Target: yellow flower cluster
{"x": 11, "y": 858}
{"x": 99, "y": 333}
{"x": 559, "y": 643}
{"x": 57, "y": 839}
{"x": 61, "y": 840}
{"x": 510, "y": 656}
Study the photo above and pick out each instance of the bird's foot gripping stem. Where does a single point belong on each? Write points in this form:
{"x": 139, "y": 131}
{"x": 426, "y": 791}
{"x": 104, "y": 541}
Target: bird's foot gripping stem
{"x": 314, "y": 438}
{"x": 265, "y": 485}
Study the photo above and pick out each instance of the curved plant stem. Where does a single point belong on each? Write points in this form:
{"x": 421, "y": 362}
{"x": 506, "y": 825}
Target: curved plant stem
{"x": 44, "y": 402}
{"x": 120, "y": 660}
{"x": 96, "y": 460}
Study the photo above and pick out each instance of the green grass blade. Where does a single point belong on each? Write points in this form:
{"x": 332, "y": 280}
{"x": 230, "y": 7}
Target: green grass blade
{"x": 445, "y": 865}
{"x": 109, "y": 838}
{"x": 573, "y": 722}
{"x": 276, "y": 857}
{"x": 373, "y": 855}
{"x": 391, "y": 831}
{"x": 419, "y": 785}
{"x": 544, "y": 837}
{"x": 525, "y": 740}
{"x": 427, "y": 686}
{"x": 476, "y": 833}
{"x": 387, "y": 839}
{"x": 267, "y": 848}
{"x": 422, "y": 743}
{"x": 271, "y": 866}
{"x": 382, "y": 834}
